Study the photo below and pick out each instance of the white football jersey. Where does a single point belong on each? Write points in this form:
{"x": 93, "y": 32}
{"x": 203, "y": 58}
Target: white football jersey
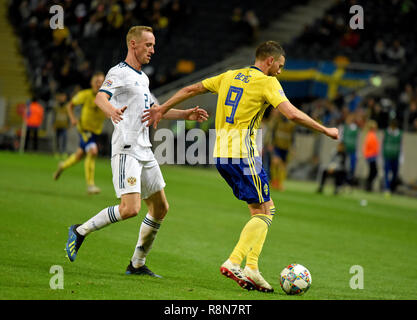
{"x": 129, "y": 87}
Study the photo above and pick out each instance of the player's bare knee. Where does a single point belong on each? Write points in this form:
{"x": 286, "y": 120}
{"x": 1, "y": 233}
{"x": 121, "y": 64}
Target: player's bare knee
{"x": 79, "y": 154}
{"x": 165, "y": 208}
{"x": 93, "y": 152}
{"x": 162, "y": 210}
{"x": 269, "y": 207}
{"x": 129, "y": 211}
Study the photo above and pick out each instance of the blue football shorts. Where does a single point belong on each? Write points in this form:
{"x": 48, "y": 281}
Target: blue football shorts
{"x": 282, "y": 153}
{"x": 246, "y": 177}
{"x": 87, "y": 140}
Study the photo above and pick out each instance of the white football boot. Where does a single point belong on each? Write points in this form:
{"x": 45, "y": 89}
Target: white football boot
{"x": 234, "y": 272}
{"x": 92, "y": 189}
{"x": 257, "y": 280}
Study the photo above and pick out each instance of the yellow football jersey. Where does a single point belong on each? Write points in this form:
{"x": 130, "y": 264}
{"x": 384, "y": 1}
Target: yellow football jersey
{"x": 243, "y": 96}
{"x": 283, "y": 133}
{"x": 92, "y": 118}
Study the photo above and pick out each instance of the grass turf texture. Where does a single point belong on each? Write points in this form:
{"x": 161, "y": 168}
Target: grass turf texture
{"x": 327, "y": 234}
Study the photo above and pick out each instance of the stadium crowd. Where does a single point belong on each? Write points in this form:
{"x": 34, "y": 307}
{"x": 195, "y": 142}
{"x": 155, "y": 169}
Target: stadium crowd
{"x": 93, "y": 37}
{"x": 65, "y": 59}
{"x": 384, "y": 40}
{"x": 385, "y": 37}
{"x": 402, "y": 107}
{"x": 61, "y": 61}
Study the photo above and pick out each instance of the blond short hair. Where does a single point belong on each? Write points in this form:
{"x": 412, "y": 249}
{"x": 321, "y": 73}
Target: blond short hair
{"x": 136, "y": 33}
{"x": 97, "y": 74}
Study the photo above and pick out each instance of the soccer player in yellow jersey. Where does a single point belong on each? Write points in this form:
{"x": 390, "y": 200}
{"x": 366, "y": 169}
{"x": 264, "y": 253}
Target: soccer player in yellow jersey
{"x": 89, "y": 126}
{"x": 283, "y": 136}
{"x": 243, "y": 96}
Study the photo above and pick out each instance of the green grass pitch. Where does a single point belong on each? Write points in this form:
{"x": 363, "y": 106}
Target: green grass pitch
{"x": 328, "y": 234}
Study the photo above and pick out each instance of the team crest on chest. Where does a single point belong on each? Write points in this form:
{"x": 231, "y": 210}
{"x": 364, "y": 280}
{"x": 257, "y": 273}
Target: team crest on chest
{"x": 131, "y": 181}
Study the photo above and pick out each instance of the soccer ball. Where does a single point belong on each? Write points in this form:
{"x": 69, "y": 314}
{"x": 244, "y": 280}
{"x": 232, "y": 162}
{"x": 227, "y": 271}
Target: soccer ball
{"x": 295, "y": 279}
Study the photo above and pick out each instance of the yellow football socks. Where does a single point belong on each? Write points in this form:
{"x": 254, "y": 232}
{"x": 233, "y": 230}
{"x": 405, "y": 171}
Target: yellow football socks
{"x": 282, "y": 173}
{"x": 253, "y": 255}
{"x": 72, "y": 159}
{"x": 89, "y": 168}
{"x": 252, "y": 239}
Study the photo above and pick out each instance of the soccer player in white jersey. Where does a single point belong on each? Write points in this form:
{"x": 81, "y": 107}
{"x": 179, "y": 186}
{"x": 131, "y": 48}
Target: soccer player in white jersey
{"x": 123, "y": 97}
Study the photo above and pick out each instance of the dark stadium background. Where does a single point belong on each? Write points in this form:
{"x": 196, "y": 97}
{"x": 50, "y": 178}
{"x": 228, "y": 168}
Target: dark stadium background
{"x": 196, "y": 39}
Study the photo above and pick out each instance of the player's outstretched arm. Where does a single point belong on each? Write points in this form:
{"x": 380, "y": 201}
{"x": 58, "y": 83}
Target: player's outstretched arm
{"x": 102, "y": 101}
{"x": 299, "y": 117}
{"x": 156, "y": 113}
{"x": 196, "y": 114}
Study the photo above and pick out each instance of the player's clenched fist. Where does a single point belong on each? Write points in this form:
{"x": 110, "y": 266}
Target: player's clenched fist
{"x": 332, "y": 133}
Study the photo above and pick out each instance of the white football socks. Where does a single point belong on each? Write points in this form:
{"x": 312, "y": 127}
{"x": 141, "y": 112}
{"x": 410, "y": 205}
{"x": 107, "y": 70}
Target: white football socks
{"x": 103, "y": 218}
{"x": 147, "y": 234}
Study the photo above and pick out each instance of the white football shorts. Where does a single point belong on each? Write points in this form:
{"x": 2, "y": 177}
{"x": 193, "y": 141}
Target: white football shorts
{"x": 134, "y": 176}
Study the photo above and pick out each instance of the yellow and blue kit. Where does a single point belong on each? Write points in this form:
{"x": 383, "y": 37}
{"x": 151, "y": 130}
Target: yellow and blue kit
{"x": 283, "y": 137}
{"x": 92, "y": 118}
{"x": 243, "y": 96}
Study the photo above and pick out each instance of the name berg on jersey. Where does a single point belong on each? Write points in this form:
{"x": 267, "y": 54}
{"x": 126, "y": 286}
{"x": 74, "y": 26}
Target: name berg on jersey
{"x": 240, "y": 76}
